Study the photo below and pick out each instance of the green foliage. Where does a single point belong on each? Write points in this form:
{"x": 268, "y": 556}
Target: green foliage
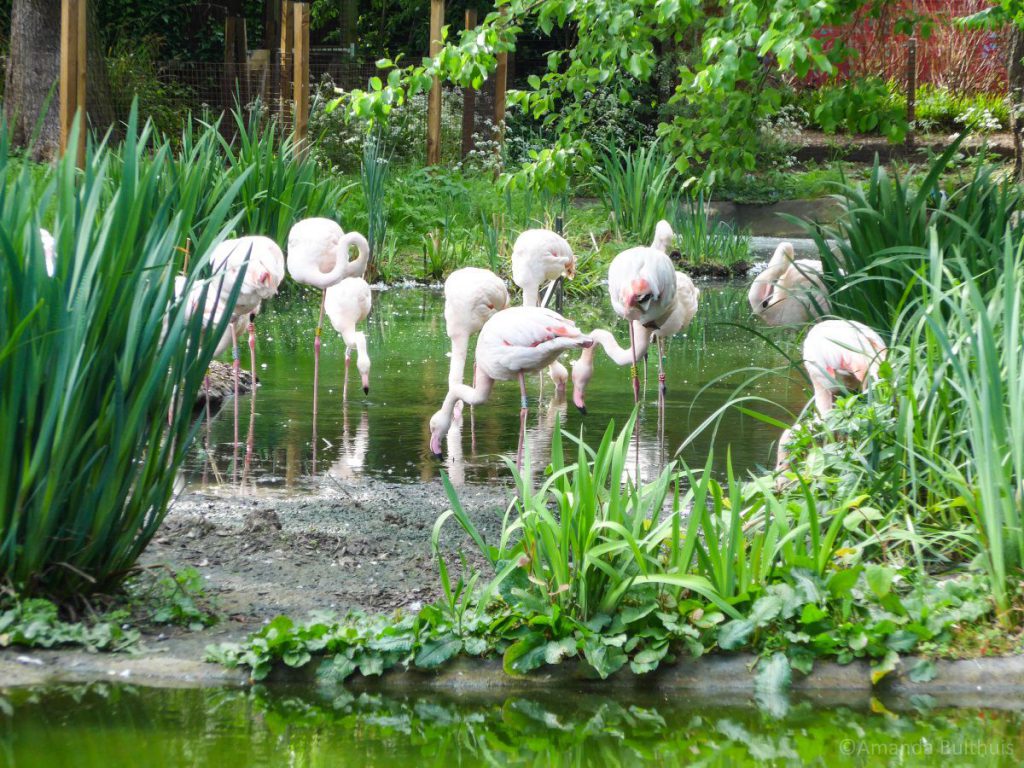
{"x": 133, "y": 73}
{"x": 373, "y": 174}
{"x": 174, "y": 598}
{"x": 99, "y": 366}
{"x": 702, "y": 239}
{"x": 876, "y": 267}
{"x": 863, "y": 105}
{"x": 36, "y": 624}
{"x": 638, "y": 187}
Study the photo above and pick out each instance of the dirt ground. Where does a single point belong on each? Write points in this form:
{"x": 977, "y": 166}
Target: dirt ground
{"x": 364, "y": 545}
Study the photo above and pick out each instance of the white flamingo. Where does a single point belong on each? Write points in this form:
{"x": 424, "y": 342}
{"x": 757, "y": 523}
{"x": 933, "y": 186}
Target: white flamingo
{"x": 540, "y": 256}
{"x": 471, "y": 297}
{"x": 318, "y": 255}
{"x": 514, "y": 342}
{"x": 347, "y": 304}
{"x": 841, "y": 355}
{"x": 789, "y": 291}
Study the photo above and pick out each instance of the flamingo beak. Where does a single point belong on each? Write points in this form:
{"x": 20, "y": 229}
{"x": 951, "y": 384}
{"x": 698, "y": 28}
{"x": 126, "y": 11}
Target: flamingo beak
{"x": 577, "y": 400}
{"x": 366, "y": 383}
{"x": 435, "y": 445}
{"x": 570, "y": 268}
{"x": 265, "y": 278}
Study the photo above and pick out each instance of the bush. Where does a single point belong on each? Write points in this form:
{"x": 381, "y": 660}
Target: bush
{"x": 99, "y": 367}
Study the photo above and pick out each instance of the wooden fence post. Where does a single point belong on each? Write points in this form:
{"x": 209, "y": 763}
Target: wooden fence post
{"x": 301, "y": 65}
{"x": 911, "y": 89}
{"x": 500, "y": 86}
{"x": 434, "y": 102}
{"x": 287, "y": 44}
{"x": 468, "y": 100}
{"x": 73, "y": 25}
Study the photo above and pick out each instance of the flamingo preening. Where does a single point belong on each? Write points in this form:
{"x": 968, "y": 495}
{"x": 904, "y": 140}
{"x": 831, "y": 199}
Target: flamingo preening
{"x": 347, "y": 304}
{"x": 512, "y": 343}
{"x": 841, "y": 355}
{"x": 789, "y": 291}
{"x": 540, "y": 256}
{"x": 471, "y": 297}
{"x": 318, "y": 255}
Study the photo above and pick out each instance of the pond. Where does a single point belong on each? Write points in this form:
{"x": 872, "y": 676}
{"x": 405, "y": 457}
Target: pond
{"x": 385, "y": 435}
{"x": 107, "y": 725}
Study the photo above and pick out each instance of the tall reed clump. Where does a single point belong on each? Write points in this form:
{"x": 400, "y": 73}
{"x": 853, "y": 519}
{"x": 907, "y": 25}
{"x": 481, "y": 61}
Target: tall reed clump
{"x": 282, "y": 182}
{"x": 638, "y": 187}
{"x": 874, "y": 255}
{"x": 585, "y": 539}
{"x": 99, "y": 366}
{"x": 963, "y": 399}
{"x": 373, "y": 175}
{"x": 701, "y": 238}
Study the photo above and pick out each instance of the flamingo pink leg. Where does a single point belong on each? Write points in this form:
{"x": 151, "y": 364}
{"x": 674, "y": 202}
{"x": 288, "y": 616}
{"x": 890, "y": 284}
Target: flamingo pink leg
{"x": 316, "y": 352}
{"x": 252, "y": 352}
{"x": 522, "y": 420}
{"x": 632, "y": 370}
{"x": 344, "y": 388}
{"x": 661, "y": 367}
{"x": 236, "y": 365}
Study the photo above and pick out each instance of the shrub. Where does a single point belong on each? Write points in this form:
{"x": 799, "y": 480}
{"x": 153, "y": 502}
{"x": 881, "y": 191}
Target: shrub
{"x": 98, "y": 366}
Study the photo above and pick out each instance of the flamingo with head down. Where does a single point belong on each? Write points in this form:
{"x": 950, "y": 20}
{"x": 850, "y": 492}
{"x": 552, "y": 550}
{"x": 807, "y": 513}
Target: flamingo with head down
{"x": 512, "y": 343}
{"x": 789, "y": 291}
{"x": 841, "y": 355}
{"x": 347, "y": 304}
{"x": 318, "y": 255}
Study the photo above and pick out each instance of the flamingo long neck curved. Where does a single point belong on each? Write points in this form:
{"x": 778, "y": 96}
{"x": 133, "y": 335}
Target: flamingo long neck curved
{"x": 457, "y": 366}
{"x": 475, "y": 395}
{"x": 620, "y": 355}
{"x": 531, "y": 295}
{"x": 357, "y": 266}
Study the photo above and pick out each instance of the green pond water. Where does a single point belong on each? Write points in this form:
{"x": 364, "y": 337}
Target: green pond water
{"x": 385, "y": 435}
{"x": 108, "y": 725}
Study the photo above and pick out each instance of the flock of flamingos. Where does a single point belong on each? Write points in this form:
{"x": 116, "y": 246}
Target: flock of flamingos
{"x": 646, "y": 291}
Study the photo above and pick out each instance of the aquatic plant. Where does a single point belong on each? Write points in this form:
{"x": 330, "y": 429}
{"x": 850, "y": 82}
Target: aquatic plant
{"x": 637, "y": 186}
{"x": 99, "y": 366}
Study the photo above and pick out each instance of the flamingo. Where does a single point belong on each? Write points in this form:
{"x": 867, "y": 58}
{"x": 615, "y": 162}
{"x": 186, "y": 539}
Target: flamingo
{"x": 264, "y": 270}
{"x": 471, "y": 297}
{"x": 789, "y": 291}
{"x": 539, "y": 256}
{"x": 512, "y": 343}
{"x": 348, "y": 303}
{"x": 642, "y": 286}
{"x": 841, "y": 355}
{"x": 318, "y": 255}
{"x": 663, "y": 237}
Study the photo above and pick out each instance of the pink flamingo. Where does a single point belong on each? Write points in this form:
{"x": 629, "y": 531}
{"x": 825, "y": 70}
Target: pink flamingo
{"x": 347, "y": 304}
{"x": 841, "y": 355}
{"x": 789, "y": 291}
{"x": 514, "y": 342}
{"x": 471, "y": 297}
{"x": 540, "y": 256}
{"x": 318, "y": 255}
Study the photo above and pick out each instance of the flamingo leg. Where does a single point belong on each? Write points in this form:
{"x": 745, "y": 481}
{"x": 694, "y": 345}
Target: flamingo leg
{"x": 316, "y": 357}
{"x": 344, "y": 388}
{"x": 662, "y": 389}
{"x": 632, "y": 370}
{"x": 252, "y": 351}
{"x": 524, "y": 402}
{"x": 236, "y": 366}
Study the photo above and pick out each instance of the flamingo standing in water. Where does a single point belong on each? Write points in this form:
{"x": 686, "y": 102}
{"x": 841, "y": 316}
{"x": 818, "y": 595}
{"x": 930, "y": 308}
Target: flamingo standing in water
{"x": 471, "y": 297}
{"x": 789, "y": 291}
{"x": 540, "y": 256}
{"x": 318, "y": 255}
{"x": 642, "y": 285}
{"x": 841, "y": 355}
{"x": 347, "y": 304}
{"x": 514, "y": 342}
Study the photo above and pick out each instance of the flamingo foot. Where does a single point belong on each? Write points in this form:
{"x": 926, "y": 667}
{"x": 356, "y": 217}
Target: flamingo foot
{"x": 661, "y": 384}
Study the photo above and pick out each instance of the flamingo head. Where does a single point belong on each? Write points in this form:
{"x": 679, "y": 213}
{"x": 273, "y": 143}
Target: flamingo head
{"x": 364, "y": 371}
{"x": 638, "y": 296}
{"x": 440, "y": 423}
{"x": 570, "y": 267}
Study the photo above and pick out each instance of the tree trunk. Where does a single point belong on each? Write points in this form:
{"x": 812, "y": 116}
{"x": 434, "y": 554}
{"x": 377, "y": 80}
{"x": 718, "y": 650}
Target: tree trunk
{"x": 33, "y": 72}
{"x": 349, "y": 20}
{"x": 1015, "y": 83}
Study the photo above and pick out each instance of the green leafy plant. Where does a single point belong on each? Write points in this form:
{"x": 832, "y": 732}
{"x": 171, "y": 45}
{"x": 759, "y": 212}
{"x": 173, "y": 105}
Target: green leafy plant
{"x": 173, "y": 598}
{"x": 637, "y": 186}
{"x": 36, "y": 623}
{"x": 702, "y": 239}
{"x": 99, "y": 366}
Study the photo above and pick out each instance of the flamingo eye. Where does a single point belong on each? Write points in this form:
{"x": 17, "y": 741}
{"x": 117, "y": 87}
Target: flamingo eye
{"x": 643, "y": 298}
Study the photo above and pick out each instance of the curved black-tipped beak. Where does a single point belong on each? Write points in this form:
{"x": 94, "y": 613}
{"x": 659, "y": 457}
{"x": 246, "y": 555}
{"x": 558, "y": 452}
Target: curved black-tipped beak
{"x": 438, "y": 456}
{"x": 582, "y": 409}
{"x": 366, "y": 390}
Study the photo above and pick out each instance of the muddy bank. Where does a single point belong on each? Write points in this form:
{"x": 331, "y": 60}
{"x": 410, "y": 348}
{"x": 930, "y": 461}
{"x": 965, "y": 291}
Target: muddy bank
{"x": 341, "y": 546}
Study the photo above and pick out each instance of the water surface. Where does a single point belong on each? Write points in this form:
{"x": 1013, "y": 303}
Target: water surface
{"x": 109, "y": 725}
{"x": 385, "y": 435}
